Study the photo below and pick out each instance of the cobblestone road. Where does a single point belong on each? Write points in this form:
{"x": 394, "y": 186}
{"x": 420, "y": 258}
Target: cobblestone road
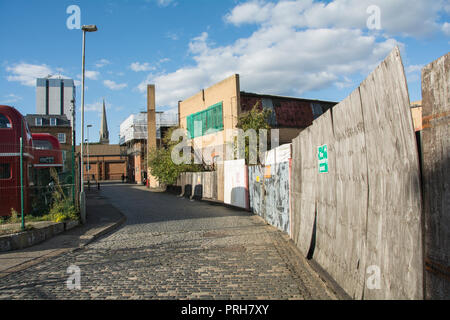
{"x": 173, "y": 248}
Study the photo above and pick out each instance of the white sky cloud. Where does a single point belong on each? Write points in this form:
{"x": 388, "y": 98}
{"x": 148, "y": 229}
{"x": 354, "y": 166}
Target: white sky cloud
{"x": 97, "y": 106}
{"x": 138, "y": 67}
{"x": 27, "y": 74}
{"x": 446, "y": 28}
{"x": 164, "y": 3}
{"x": 414, "y": 68}
{"x": 10, "y": 98}
{"x": 299, "y": 46}
{"x": 92, "y": 75}
{"x": 404, "y": 17}
{"x": 172, "y": 36}
{"x": 102, "y": 62}
{"x": 113, "y": 85}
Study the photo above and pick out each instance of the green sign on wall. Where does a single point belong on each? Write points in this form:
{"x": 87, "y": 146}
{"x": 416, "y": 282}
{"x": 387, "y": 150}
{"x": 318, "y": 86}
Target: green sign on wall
{"x": 322, "y": 155}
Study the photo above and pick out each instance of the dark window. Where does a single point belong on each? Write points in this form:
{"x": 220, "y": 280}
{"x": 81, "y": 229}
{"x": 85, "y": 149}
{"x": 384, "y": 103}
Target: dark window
{"x": 5, "y": 171}
{"x": 4, "y": 122}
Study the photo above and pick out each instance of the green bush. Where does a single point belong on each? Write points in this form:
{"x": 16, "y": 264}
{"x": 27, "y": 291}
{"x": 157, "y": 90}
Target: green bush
{"x": 63, "y": 210}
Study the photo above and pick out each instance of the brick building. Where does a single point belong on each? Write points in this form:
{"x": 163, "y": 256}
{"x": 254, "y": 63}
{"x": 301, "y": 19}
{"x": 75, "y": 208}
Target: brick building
{"x": 105, "y": 162}
{"x": 218, "y": 108}
{"x": 56, "y": 125}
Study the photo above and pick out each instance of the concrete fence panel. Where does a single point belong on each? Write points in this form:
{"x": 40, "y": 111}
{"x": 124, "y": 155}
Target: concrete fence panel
{"x": 236, "y": 183}
{"x": 197, "y": 185}
{"x": 208, "y": 184}
{"x": 188, "y": 188}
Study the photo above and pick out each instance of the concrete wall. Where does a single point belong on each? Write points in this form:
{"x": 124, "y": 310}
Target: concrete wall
{"x": 436, "y": 176}
{"x": 198, "y": 185}
{"x": 236, "y": 183}
{"x": 361, "y": 220}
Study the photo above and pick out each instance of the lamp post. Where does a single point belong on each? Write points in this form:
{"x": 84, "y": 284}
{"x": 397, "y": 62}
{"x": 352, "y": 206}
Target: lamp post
{"x": 88, "y": 168}
{"x": 87, "y": 28}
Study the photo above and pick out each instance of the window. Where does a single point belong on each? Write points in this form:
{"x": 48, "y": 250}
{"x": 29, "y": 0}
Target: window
{"x": 62, "y": 137}
{"x": 211, "y": 121}
{"x": 5, "y": 171}
{"x": 42, "y": 145}
{"x": 53, "y": 121}
{"x": 38, "y": 122}
{"x": 4, "y": 122}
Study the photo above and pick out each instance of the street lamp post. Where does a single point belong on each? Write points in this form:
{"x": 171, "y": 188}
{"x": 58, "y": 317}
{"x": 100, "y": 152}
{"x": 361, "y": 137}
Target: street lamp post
{"x": 87, "y": 28}
{"x": 88, "y": 166}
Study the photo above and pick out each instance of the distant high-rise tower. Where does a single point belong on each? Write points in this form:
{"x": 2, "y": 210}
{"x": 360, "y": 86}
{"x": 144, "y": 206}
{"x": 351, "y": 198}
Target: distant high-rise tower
{"x": 104, "y": 133}
{"x": 55, "y": 96}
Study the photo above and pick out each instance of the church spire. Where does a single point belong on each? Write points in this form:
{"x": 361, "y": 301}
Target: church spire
{"x": 104, "y": 133}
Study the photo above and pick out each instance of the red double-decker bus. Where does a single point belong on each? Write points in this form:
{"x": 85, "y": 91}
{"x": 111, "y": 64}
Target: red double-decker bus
{"x": 46, "y": 151}
{"x": 13, "y": 127}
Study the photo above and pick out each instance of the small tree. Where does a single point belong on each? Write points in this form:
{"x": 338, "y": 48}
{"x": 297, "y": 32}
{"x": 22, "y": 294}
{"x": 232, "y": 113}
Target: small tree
{"x": 161, "y": 165}
{"x": 255, "y": 119}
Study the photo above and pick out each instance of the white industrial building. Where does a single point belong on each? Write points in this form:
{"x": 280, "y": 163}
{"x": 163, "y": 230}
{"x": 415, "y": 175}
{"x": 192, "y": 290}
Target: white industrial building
{"x": 133, "y": 138}
{"x": 135, "y": 126}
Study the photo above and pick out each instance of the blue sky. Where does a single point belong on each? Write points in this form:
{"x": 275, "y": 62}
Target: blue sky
{"x": 301, "y": 48}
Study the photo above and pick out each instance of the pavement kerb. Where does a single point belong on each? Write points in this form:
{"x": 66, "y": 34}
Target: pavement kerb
{"x": 83, "y": 241}
{"x": 89, "y": 239}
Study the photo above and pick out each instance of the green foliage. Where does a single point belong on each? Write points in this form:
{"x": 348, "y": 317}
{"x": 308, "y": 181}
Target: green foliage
{"x": 62, "y": 208}
{"x": 161, "y": 165}
{"x": 15, "y": 217}
{"x": 255, "y": 119}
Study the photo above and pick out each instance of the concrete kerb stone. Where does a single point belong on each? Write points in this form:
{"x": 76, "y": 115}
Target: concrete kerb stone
{"x": 87, "y": 239}
{"x": 22, "y": 240}
{"x": 83, "y": 240}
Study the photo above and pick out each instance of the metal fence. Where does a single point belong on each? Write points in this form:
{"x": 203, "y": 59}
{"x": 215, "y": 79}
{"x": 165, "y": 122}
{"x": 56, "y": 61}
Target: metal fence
{"x": 29, "y": 178}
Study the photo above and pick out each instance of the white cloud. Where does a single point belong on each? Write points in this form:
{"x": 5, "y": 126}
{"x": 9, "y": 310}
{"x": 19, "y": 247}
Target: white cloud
{"x": 404, "y": 17}
{"x": 92, "y": 75}
{"x": 446, "y": 28}
{"x": 27, "y": 74}
{"x": 299, "y": 46}
{"x": 114, "y": 86}
{"x": 414, "y": 68}
{"x": 172, "y": 36}
{"x": 97, "y": 106}
{"x": 137, "y": 66}
{"x": 274, "y": 60}
{"x": 164, "y": 3}
{"x": 10, "y": 98}
{"x": 250, "y": 12}
{"x": 102, "y": 62}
